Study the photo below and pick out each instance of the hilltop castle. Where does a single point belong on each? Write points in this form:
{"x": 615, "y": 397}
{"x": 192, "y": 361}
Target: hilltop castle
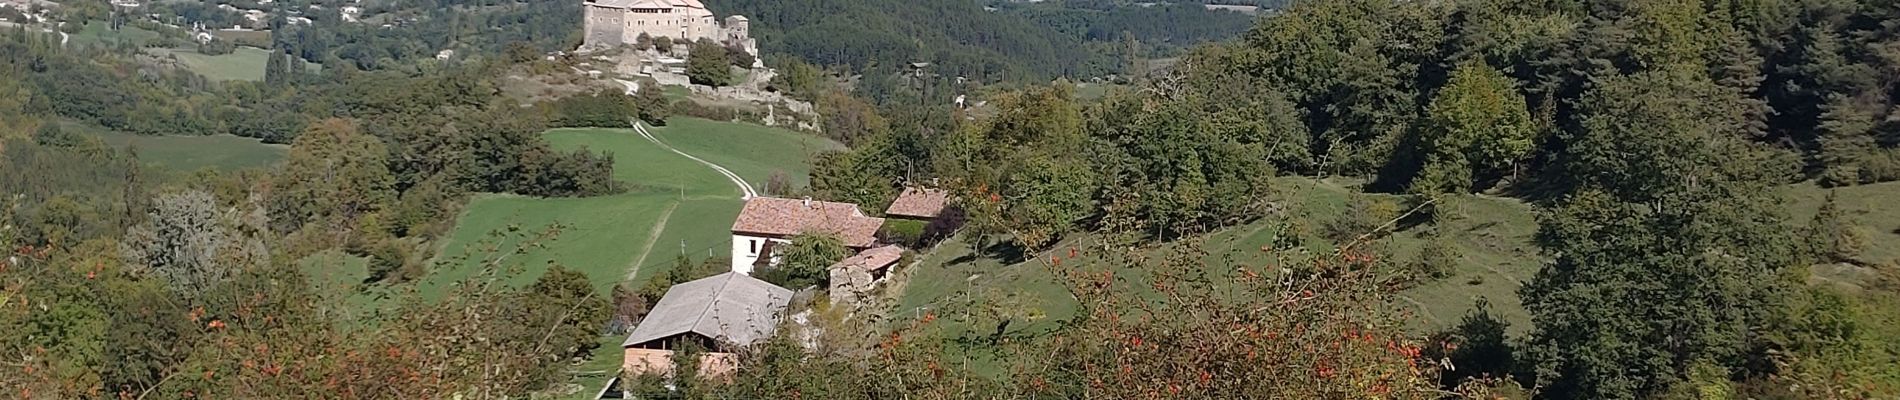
{"x": 612, "y": 23}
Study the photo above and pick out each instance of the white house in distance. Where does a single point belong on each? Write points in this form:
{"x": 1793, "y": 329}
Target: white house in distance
{"x": 766, "y": 222}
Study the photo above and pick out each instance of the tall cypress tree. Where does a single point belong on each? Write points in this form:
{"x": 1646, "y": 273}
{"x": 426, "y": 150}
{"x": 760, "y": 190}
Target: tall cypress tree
{"x": 275, "y": 69}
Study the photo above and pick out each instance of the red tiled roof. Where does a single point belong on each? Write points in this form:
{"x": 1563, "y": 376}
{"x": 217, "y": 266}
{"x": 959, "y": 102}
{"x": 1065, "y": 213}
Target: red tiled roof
{"x": 771, "y": 216}
{"x": 919, "y": 203}
{"x": 874, "y": 259}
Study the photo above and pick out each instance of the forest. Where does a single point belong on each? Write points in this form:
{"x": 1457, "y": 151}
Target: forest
{"x": 1649, "y": 136}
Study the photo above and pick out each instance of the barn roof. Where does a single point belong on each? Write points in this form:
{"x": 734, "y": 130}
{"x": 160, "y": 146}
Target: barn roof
{"x": 729, "y": 307}
{"x": 874, "y": 259}
{"x": 919, "y": 202}
{"x": 771, "y": 216}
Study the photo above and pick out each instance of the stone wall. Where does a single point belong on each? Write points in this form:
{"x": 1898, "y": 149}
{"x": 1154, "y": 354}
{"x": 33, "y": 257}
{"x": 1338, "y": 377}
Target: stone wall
{"x": 602, "y": 28}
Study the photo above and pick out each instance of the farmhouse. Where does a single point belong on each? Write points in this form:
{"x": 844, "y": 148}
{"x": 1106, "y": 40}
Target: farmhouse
{"x": 720, "y": 314}
{"x": 766, "y": 222}
{"x": 612, "y": 23}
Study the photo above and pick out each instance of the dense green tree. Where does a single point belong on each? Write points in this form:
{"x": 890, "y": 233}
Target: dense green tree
{"x": 53, "y": 135}
{"x": 333, "y": 175}
{"x": 1847, "y": 141}
{"x": 708, "y": 63}
{"x": 276, "y": 68}
{"x": 849, "y": 119}
{"x": 873, "y": 37}
{"x": 806, "y": 261}
{"x": 663, "y": 44}
{"x": 865, "y": 176}
{"x": 1478, "y": 125}
{"x": 652, "y": 103}
{"x": 643, "y": 42}
{"x": 566, "y": 300}
{"x": 737, "y": 54}
{"x": 797, "y": 79}
{"x": 1046, "y": 198}
{"x": 1195, "y": 163}
{"x": 1669, "y": 253}
{"x": 605, "y": 108}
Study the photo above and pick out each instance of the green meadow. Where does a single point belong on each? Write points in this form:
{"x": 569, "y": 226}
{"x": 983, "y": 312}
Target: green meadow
{"x": 245, "y": 63}
{"x": 188, "y": 153}
{"x": 674, "y": 206}
{"x": 1493, "y": 236}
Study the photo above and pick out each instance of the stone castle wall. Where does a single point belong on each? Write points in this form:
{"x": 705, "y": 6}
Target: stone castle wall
{"x": 607, "y": 27}
{"x": 603, "y": 27}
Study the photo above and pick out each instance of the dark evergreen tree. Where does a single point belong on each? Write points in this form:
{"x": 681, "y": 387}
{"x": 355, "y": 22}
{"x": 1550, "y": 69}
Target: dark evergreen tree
{"x": 708, "y": 64}
{"x": 1668, "y": 253}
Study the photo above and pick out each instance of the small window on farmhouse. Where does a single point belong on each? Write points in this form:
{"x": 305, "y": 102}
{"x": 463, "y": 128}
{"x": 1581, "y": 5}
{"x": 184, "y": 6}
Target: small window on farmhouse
{"x": 754, "y": 244}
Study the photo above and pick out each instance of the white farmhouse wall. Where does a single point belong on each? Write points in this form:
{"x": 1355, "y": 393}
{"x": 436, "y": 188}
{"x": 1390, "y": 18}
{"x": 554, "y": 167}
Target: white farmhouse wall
{"x": 745, "y": 251}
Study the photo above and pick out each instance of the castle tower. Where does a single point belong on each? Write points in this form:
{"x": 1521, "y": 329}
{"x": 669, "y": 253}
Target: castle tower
{"x": 738, "y": 29}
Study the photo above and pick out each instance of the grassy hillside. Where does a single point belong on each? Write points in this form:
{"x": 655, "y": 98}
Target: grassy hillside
{"x": 612, "y": 238}
{"x": 1873, "y": 207}
{"x": 674, "y": 206}
{"x": 1493, "y": 236}
{"x": 245, "y": 63}
{"x": 188, "y": 153}
{"x": 99, "y": 33}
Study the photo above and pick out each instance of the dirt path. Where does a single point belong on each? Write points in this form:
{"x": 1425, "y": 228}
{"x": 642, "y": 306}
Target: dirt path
{"x": 745, "y": 188}
{"x": 653, "y": 236}
{"x": 1422, "y": 311}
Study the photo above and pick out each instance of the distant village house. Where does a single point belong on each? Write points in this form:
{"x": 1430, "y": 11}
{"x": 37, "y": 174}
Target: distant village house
{"x": 767, "y": 222}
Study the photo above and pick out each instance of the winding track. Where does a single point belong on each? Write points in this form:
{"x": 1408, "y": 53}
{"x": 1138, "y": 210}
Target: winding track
{"x": 745, "y": 188}
{"x": 653, "y": 236}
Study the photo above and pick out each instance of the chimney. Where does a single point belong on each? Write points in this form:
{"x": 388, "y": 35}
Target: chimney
{"x": 807, "y": 201}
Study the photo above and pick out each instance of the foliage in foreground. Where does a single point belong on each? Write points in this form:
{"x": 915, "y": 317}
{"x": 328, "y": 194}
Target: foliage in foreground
{"x": 1300, "y": 326}
{"x": 83, "y": 323}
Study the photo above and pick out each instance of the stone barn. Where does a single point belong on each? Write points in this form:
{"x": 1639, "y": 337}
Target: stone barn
{"x": 719, "y": 314}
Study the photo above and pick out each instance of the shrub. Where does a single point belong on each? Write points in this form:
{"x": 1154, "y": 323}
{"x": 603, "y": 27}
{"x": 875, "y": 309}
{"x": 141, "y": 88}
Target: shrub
{"x": 1437, "y": 260}
{"x": 908, "y": 233}
{"x": 216, "y": 47}
{"x": 806, "y": 262}
{"x": 1361, "y": 217}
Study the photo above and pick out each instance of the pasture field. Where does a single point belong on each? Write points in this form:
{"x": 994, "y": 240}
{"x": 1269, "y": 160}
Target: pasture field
{"x": 244, "y": 38}
{"x": 243, "y": 64}
{"x": 673, "y": 206}
{"x": 188, "y": 153}
{"x": 99, "y": 33}
{"x": 1493, "y": 236}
